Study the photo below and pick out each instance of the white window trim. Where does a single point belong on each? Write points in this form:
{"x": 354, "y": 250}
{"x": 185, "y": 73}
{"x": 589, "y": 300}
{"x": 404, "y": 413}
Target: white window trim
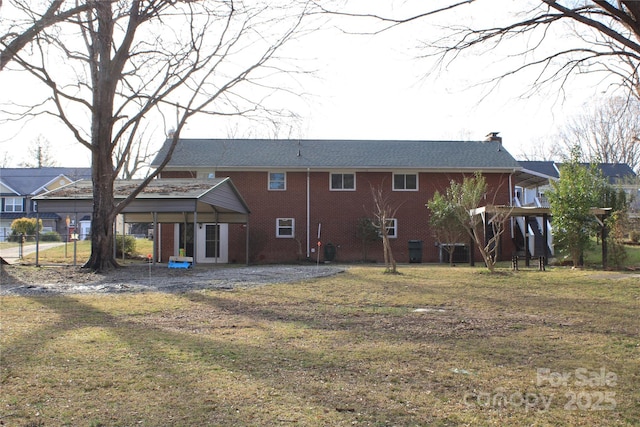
{"x": 269, "y": 181}
{"x": 405, "y": 181}
{"x": 13, "y": 204}
{"x": 342, "y": 173}
{"x": 279, "y": 227}
{"x": 395, "y": 228}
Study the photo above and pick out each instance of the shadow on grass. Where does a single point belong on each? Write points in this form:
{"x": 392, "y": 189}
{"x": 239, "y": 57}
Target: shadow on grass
{"x": 168, "y": 370}
{"x": 228, "y": 359}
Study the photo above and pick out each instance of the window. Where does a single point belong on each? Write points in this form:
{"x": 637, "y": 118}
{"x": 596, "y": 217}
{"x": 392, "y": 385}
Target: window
{"x": 13, "y": 204}
{"x": 285, "y": 227}
{"x": 212, "y": 241}
{"x": 277, "y": 181}
{"x": 392, "y": 228}
{"x": 405, "y": 182}
{"x": 343, "y": 181}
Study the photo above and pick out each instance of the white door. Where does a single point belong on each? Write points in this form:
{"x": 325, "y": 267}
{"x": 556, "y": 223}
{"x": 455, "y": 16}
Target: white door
{"x": 213, "y": 243}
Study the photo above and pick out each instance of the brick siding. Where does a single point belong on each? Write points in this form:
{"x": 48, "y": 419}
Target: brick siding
{"x": 338, "y": 212}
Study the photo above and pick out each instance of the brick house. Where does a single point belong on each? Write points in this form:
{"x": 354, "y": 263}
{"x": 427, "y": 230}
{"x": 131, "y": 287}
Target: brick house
{"x": 299, "y": 189}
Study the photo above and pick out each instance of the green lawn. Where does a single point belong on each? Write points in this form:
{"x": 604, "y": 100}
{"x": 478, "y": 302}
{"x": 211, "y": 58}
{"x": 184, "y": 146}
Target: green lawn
{"x": 64, "y": 254}
{"x": 551, "y": 348}
{"x": 593, "y": 256}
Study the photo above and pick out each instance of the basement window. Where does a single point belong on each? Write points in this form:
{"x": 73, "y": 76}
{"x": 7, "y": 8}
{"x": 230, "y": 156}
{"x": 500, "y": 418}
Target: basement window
{"x": 285, "y": 228}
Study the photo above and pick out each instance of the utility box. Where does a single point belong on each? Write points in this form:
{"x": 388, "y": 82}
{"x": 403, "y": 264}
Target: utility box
{"x": 415, "y": 251}
{"x": 329, "y": 252}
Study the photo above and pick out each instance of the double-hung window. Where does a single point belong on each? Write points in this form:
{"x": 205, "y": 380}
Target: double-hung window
{"x": 285, "y": 227}
{"x": 277, "y": 181}
{"x": 405, "y": 182}
{"x": 392, "y": 228}
{"x": 13, "y": 204}
{"x": 343, "y": 181}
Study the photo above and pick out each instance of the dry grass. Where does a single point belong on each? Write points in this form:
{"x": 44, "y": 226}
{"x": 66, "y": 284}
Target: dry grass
{"x": 344, "y": 350}
{"x": 64, "y": 254}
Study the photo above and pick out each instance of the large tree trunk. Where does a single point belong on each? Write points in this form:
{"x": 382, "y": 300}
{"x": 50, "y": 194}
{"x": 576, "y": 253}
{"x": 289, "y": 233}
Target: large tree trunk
{"x": 102, "y": 239}
{"x": 105, "y": 73}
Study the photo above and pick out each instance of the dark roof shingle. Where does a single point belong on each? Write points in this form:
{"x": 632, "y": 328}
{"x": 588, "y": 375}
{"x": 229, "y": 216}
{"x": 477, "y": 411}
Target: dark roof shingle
{"x": 352, "y": 154}
{"x": 28, "y": 180}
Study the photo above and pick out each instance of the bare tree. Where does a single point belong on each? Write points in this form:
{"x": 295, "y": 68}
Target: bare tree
{"x": 39, "y": 152}
{"x": 15, "y": 38}
{"x": 136, "y": 158}
{"x": 5, "y": 161}
{"x": 553, "y": 39}
{"x": 384, "y": 214}
{"x": 118, "y": 65}
{"x": 546, "y": 149}
{"x": 608, "y": 131}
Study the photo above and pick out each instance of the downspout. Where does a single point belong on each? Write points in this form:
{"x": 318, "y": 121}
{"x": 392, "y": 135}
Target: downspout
{"x": 308, "y": 213}
{"x": 511, "y": 196}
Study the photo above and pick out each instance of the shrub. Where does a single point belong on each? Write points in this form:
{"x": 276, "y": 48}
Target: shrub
{"x": 50, "y": 236}
{"x": 129, "y": 245}
{"x": 26, "y": 226}
{"x": 634, "y": 236}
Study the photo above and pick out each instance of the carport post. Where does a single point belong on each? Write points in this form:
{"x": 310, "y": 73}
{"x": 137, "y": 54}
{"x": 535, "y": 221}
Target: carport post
{"x": 155, "y": 235}
{"x": 37, "y": 239}
{"x": 195, "y": 235}
{"x": 123, "y": 231}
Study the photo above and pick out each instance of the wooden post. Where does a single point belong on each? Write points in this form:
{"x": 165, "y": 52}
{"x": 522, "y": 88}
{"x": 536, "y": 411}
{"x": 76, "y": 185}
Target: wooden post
{"x": 604, "y": 242}
{"x": 526, "y": 242}
{"x": 545, "y": 237}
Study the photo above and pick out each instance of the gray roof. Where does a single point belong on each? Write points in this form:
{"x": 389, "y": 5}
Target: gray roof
{"x": 163, "y": 195}
{"x": 546, "y": 168}
{"x": 334, "y": 154}
{"x": 27, "y": 181}
{"x": 614, "y": 172}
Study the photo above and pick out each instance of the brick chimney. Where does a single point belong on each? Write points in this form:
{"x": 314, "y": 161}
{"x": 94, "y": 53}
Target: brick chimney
{"x": 493, "y": 137}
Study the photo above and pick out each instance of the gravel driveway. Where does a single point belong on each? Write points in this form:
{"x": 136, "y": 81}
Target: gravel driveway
{"x": 18, "y": 280}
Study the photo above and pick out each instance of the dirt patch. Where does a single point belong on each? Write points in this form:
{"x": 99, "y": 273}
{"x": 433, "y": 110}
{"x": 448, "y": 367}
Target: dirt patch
{"x": 22, "y": 280}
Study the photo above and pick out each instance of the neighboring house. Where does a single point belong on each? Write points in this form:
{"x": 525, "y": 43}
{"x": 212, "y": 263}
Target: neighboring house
{"x": 304, "y": 191}
{"x": 543, "y": 172}
{"x": 19, "y": 185}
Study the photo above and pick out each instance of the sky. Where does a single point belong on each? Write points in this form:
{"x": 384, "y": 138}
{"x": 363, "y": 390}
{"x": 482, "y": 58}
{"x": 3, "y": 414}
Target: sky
{"x": 372, "y": 87}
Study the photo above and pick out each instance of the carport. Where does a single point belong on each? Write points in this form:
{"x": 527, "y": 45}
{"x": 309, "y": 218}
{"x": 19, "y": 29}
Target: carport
{"x": 173, "y": 201}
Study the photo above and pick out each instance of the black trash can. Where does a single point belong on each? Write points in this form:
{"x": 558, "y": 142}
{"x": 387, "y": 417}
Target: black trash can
{"x": 415, "y": 251}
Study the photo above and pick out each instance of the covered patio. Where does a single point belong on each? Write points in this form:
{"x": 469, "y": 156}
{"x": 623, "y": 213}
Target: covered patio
{"x": 214, "y": 201}
{"x": 490, "y": 211}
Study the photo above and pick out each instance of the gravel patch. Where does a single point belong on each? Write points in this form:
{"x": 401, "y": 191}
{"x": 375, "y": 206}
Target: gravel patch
{"x": 20, "y": 280}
